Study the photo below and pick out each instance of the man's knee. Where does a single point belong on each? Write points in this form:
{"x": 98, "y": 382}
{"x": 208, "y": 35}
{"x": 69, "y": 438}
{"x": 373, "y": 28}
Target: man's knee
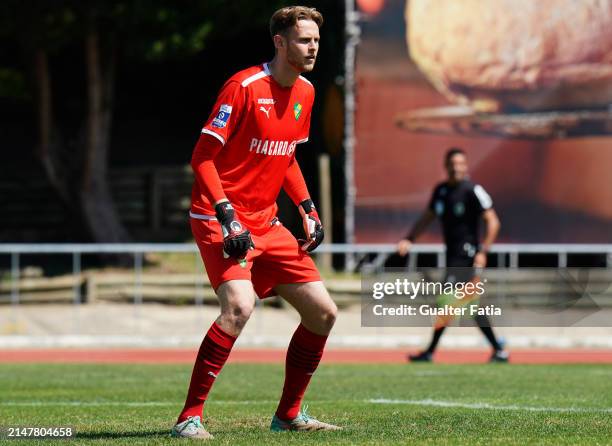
{"x": 329, "y": 319}
{"x": 237, "y": 303}
{"x": 238, "y": 314}
{"x": 329, "y": 315}
{"x": 326, "y": 317}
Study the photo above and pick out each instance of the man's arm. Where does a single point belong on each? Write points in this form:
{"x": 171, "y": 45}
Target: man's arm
{"x": 202, "y": 163}
{"x": 221, "y": 124}
{"x": 492, "y": 229}
{"x": 236, "y": 239}
{"x": 422, "y": 223}
{"x": 295, "y": 186}
{"x": 294, "y": 183}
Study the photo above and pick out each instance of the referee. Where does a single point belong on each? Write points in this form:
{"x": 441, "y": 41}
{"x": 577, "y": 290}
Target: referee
{"x": 460, "y": 205}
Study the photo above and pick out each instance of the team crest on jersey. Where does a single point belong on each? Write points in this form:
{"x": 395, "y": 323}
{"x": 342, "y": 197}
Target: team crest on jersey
{"x": 459, "y": 209}
{"x": 220, "y": 120}
{"x": 297, "y": 110}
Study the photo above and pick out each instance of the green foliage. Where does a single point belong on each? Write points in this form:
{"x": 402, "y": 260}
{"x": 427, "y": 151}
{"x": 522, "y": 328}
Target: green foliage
{"x": 153, "y": 30}
{"x": 150, "y": 29}
{"x": 12, "y": 84}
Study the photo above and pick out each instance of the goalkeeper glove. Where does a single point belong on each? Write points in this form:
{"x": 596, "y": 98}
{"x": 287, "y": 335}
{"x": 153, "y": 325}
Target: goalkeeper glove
{"x": 312, "y": 226}
{"x": 236, "y": 239}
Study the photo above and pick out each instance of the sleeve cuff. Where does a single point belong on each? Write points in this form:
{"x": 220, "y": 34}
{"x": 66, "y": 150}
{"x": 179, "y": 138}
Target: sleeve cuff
{"x": 216, "y": 135}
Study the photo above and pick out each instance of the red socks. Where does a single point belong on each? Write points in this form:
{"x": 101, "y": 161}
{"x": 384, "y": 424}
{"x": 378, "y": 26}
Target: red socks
{"x": 303, "y": 357}
{"x": 212, "y": 355}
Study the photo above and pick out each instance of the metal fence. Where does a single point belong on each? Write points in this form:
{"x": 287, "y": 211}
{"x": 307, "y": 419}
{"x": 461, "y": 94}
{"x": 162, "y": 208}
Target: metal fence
{"x": 78, "y": 322}
{"x": 507, "y": 255}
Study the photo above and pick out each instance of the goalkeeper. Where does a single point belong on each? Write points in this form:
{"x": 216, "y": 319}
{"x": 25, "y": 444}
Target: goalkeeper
{"x": 245, "y": 155}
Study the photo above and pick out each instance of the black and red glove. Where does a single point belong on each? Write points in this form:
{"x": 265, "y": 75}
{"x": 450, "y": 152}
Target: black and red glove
{"x": 236, "y": 239}
{"x": 312, "y": 226}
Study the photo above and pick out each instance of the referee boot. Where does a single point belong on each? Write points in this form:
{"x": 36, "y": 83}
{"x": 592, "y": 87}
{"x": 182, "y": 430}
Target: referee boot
{"x": 499, "y": 356}
{"x": 424, "y": 356}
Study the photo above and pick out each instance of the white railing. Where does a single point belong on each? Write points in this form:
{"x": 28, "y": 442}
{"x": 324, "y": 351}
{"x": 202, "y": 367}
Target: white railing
{"x": 511, "y": 251}
{"x": 335, "y": 248}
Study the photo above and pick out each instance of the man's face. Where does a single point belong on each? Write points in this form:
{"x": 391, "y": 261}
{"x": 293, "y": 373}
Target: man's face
{"x": 457, "y": 167}
{"x": 302, "y": 44}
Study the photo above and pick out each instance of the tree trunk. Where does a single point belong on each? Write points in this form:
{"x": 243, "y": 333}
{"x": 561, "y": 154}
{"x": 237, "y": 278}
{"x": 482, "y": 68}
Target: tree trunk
{"x": 47, "y": 145}
{"x": 81, "y": 179}
{"x": 58, "y": 164}
{"x": 97, "y": 205}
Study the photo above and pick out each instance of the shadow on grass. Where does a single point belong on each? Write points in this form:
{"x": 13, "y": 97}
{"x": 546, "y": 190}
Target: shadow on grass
{"x": 140, "y": 434}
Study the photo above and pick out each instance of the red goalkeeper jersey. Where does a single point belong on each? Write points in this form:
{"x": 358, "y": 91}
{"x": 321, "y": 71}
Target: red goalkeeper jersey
{"x": 259, "y": 123}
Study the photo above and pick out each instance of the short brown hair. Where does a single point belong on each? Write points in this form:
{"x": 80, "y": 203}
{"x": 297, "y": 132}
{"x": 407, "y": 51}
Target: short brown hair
{"x": 285, "y": 18}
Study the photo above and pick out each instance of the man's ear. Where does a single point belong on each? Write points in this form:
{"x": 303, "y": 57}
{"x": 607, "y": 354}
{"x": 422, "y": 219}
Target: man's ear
{"x": 279, "y": 41}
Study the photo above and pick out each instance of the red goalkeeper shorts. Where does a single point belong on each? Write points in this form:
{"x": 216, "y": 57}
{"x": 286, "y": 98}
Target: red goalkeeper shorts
{"x": 277, "y": 258}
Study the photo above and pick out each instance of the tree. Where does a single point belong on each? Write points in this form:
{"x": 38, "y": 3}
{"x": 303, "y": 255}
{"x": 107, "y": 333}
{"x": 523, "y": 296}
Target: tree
{"x": 73, "y": 148}
{"x": 76, "y": 166}
{"x": 75, "y": 157}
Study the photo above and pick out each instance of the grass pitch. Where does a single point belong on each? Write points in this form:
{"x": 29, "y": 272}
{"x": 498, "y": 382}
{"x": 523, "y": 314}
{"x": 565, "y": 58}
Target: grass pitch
{"x": 377, "y": 404}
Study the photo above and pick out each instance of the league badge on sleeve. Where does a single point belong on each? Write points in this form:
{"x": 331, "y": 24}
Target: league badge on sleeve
{"x": 220, "y": 120}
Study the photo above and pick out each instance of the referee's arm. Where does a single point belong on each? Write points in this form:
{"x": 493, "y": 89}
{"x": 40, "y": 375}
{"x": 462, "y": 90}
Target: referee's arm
{"x": 404, "y": 245}
{"x": 492, "y": 226}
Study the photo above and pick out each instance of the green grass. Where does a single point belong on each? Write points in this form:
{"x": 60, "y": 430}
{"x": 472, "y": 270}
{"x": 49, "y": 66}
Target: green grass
{"x": 443, "y": 404}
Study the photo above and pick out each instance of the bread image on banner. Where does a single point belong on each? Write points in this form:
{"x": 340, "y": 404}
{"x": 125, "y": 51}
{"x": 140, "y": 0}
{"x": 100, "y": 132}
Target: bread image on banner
{"x": 515, "y": 55}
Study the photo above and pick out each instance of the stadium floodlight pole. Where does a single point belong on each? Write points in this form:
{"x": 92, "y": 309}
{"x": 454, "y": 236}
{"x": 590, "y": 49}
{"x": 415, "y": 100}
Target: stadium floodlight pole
{"x": 352, "y": 32}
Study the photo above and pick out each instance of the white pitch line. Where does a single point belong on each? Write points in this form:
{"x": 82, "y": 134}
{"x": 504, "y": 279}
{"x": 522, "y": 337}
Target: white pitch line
{"x": 487, "y": 406}
{"x": 122, "y": 403}
{"x": 85, "y": 403}
{"x": 427, "y": 402}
